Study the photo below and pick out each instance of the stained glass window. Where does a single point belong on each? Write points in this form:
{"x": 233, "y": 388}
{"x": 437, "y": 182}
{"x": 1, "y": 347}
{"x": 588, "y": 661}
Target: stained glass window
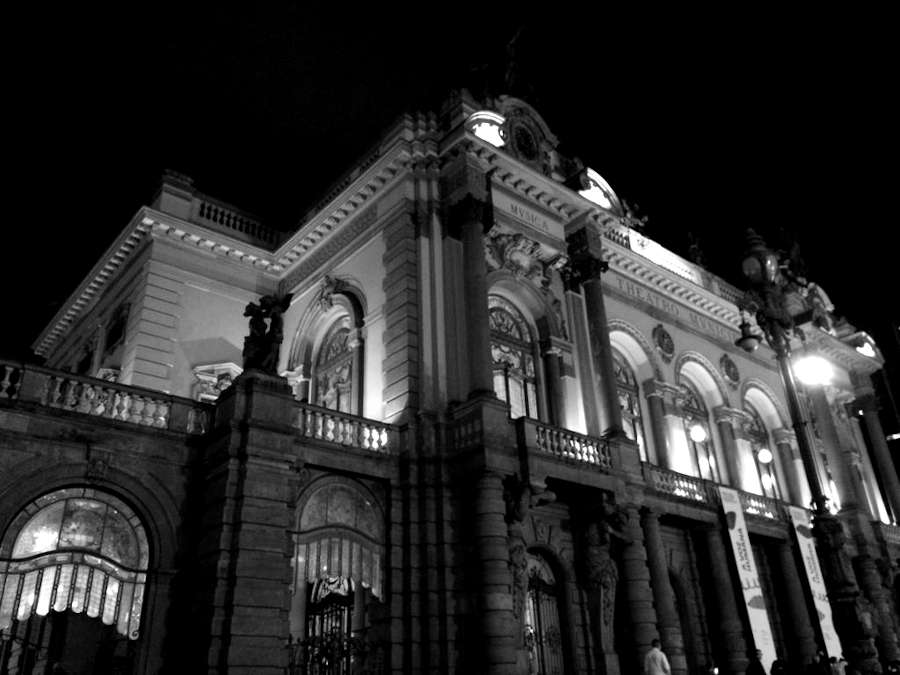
{"x": 512, "y": 355}
{"x": 334, "y": 369}
{"x": 75, "y": 549}
{"x": 629, "y": 402}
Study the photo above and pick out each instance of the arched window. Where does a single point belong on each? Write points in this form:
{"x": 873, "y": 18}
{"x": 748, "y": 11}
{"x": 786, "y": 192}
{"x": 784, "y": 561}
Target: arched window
{"x": 512, "y": 354}
{"x": 696, "y": 428}
{"x": 338, "y": 582}
{"x": 761, "y": 445}
{"x": 543, "y": 632}
{"x": 629, "y": 402}
{"x": 334, "y": 369}
{"x": 78, "y": 550}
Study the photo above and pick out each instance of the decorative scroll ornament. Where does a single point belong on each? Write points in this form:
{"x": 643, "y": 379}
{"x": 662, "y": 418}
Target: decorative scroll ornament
{"x": 330, "y": 287}
{"x": 518, "y": 254}
{"x": 730, "y": 371}
{"x": 664, "y": 343}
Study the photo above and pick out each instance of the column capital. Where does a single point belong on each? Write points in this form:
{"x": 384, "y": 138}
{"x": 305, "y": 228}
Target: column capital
{"x": 732, "y": 416}
{"x": 784, "y": 435}
{"x": 585, "y": 263}
{"x": 659, "y": 388}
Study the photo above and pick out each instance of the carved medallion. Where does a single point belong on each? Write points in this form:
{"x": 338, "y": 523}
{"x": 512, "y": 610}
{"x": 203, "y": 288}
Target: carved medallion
{"x": 729, "y": 371}
{"x": 664, "y": 343}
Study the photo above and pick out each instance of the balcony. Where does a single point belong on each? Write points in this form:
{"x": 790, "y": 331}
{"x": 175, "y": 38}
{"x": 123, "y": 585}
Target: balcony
{"x": 343, "y": 429}
{"x": 564, "y": 444}
{"x": 23, "y": 385}
{"x": 699, "y": 491}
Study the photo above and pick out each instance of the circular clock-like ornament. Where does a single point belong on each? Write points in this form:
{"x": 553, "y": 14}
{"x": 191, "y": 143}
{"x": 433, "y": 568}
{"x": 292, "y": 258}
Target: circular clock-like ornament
{"x": 730, "y": 370}
{"x": 664, "y": 343}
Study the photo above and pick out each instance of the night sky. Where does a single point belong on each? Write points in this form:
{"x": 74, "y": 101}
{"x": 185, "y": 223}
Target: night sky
{"x": 708, "y": 123}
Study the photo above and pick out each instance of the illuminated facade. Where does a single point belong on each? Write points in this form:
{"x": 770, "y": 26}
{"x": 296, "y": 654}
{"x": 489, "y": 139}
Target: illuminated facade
{"x": 509, "y": 434}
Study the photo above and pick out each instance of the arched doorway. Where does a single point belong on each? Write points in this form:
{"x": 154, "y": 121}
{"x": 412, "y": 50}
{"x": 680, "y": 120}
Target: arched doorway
{"x": 73, "y": 569}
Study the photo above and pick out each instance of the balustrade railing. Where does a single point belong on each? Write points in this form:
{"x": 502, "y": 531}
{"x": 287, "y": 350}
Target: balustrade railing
{"x": 210, "y": 212}
{"x": 757, "y": 505}
{"x": 344, "y": 429}
{"x": 576, "y": 447}
{"x": 676, "y": 484}
{"x": 99, "y": 398}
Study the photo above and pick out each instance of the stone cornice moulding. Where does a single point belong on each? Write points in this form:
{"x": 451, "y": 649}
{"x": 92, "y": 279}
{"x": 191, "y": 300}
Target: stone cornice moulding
{"x": 89, "y": 290}
{"x": 840, "y": 352}
{"x": 376, "y": 179}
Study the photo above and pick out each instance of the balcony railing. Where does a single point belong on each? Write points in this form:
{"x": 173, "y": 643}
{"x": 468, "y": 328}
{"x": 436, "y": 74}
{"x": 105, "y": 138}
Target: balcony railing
{"x": 343, "y": 429}
{"x": 99, "y": 398}
{"x": 571, "y": 446}
{"x": 765, "y": 507}
{"x": 677, "y": 484}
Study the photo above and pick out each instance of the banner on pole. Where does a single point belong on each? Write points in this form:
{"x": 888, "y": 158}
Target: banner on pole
{"x": 746, "y": 568}
{"x": 800, "y": 521}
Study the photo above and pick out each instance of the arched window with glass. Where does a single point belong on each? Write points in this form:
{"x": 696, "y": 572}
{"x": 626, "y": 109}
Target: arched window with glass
{"x": 543, "y": 629}
{"x": 696, "y": 428}
{"x": 334, "y": 369}
{"x": 629, "y": 402}
{"x": 512, "y": 355}
{"x": 761, "y": 446}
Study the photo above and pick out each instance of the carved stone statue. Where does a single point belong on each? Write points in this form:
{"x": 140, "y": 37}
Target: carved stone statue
{"x": 261, "y": 346}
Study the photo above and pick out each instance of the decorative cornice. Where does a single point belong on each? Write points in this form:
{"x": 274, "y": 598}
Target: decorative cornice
{"x": 840, "y": 352}
{"x": 94, "y": 283}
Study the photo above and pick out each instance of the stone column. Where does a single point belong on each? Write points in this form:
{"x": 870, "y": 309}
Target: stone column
{"x": 635, "y": 584}
{"x": 655, "y": 394}
{"x": 667, "y": 617}
{"x": 496, "y": 602}
{"x": 881, "y": 453}
{"x": 730, "y": 625}
{"x": 870, "y": 582}
{"x": 725, "y": 421}
{"x": 798, "y": 614}
{"x": 552, "y": 376}
{"x": 470, "y": 215}
{"x": 839, "y": 458}
{"x": 586, "y": 266}
{"x": 355, "y": 342}
{"x": 798, "y": 490}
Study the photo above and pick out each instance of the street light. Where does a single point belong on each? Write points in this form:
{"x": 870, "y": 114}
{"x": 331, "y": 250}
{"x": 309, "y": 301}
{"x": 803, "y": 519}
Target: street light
{"x": 775, "y": 301}
{"x": 769, "y": 300}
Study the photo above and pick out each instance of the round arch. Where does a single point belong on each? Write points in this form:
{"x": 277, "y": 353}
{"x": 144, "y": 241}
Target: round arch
{"x": 335, "y": 298}
{"x": 704, "y": 376}
{"x": 538, "y": 308}
{"x": 340, "y": 532}
{"x": 764, "y": 400}
{"x": 636, "y": 349}
{"x": 79, "y": 548}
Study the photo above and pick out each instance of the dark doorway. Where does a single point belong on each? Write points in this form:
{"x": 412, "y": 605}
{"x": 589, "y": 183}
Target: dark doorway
{"x": 76, "y": 643}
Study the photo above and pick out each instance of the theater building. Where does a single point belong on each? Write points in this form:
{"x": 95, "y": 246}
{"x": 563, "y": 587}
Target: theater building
{"x": 498, "y": 430}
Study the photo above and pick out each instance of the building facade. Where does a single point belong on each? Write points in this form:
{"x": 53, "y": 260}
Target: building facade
{"x": 493, "y": 429}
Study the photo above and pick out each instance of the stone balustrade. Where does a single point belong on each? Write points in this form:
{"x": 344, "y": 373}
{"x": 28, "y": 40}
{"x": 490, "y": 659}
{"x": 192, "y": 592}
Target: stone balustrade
{"x": 765, "y": 507}
{"x": 343, "y": 429}
{"x": 676, "y": 484}
{"x": 564, "y": 444}
{"x": 29, "y": 384}
{"x": 210, "y": 212}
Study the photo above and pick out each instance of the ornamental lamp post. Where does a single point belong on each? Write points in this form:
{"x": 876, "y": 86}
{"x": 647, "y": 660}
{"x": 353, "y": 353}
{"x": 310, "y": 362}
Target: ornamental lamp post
{"x": 767, "y": 299}
{"x": 774, "y": 300}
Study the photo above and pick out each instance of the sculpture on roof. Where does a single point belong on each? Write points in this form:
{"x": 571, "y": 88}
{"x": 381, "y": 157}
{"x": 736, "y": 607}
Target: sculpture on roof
{"x": 263, "y": 344}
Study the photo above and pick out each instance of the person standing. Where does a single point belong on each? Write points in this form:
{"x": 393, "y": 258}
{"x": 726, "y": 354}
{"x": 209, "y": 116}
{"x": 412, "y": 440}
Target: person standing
{"x": 655, "y": 661}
